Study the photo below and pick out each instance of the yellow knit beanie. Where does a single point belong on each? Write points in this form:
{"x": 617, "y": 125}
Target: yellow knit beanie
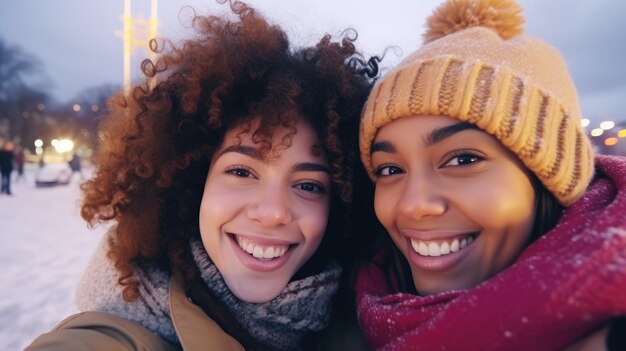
{"x": 477, "y": 67}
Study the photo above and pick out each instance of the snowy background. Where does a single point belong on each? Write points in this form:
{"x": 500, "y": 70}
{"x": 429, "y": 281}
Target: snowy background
{"x": 44, "y": 248}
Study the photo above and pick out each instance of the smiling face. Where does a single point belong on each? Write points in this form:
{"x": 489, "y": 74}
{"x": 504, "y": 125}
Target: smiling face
{"x": 457, "y": 204}
{"x": 262, "y": 218}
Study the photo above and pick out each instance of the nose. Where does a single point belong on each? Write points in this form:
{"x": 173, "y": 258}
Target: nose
{"x": 422, "y": 197}
{"x": 271, "y": 208}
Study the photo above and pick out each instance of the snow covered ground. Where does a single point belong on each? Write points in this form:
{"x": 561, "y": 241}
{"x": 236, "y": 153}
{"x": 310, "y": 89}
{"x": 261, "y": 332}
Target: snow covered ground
{"x": 44, "y": 247}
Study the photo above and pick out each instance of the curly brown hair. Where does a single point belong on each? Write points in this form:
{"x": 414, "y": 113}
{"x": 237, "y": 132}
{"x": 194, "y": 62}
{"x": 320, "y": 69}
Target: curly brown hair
{"x": 156, "y": 143}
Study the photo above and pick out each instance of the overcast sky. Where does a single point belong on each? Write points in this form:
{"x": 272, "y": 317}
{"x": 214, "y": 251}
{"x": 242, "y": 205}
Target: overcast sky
{"x": 76, "y": 41}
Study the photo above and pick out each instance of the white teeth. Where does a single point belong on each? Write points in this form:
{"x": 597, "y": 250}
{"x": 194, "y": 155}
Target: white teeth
{"x": 261, "y": 252}
{"x": 423, "y": 249}
{"x": 268, "y": 253}
{"x": 249, "y": 248}
{"x": 435, "y": 249}
{"x": 445, "y": 248}
{"x": 454, "y": 247}
{"x": 258, "y": 252}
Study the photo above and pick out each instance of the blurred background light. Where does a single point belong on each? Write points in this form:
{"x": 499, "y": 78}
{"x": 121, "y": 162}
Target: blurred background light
{"x": 584, "y": 122}
{"x": 606, "y": 125}
{"x": 597, "y": 132}
{"x": 63, "y": 145}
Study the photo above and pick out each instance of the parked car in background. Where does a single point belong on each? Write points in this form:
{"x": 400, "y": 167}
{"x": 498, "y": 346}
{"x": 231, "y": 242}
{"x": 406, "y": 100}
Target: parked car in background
{"x": 53, "y": 174}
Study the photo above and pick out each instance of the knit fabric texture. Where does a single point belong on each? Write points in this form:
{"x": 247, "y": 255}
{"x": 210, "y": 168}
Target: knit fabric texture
{"x": 303, "y": 306}
{"x": 565, "y": 285}
{"x": 518, "y": 90}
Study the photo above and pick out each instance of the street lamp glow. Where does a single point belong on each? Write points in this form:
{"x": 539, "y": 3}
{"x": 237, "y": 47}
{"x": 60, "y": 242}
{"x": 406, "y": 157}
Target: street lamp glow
{"x": 610, "y": 141}
{"x": 597, "y": 132}
{"x": 63, "y": 145}
{"x": 38, "y": 143}
{"x": 584, "y": 122}
{"x": 606, "y": 125}
{"x": 76, "y": 107}
{"x": 622, "y": 133}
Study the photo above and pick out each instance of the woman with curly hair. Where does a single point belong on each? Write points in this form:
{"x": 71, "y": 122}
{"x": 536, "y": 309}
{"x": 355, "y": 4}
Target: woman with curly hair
{"x": 228, "y": 175}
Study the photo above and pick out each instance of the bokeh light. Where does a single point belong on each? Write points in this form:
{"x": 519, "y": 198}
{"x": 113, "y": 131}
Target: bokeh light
{"x": 606, "y": 125}
{"x": 62, "y": 145}
{"x": 584, "y": 122}
{"x": 597, "y": 132}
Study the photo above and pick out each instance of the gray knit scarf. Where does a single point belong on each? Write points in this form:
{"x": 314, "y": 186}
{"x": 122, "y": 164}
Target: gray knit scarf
{"x": 302, "y": 307}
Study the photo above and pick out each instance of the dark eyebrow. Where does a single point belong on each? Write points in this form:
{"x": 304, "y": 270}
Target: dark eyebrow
{"x": 310, "y": 167}
{"x": 442, "y": 133}
{"x": 383, "y": 146}
{"x": 254, "y": 153}
{"x": 246, "y": 150}
{"x": 433, "y": 137}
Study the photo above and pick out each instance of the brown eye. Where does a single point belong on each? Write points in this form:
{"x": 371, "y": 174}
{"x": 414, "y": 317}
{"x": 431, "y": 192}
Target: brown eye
{"x": 239, "y": 171}
{"x": 463, "y": 159}
{"x": 310, "y": 187}
{"x": 385, "y": 171}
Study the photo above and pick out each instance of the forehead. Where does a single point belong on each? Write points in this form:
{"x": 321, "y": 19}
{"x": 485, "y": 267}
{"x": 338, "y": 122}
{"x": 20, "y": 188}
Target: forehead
{"x": 270, "y": 143}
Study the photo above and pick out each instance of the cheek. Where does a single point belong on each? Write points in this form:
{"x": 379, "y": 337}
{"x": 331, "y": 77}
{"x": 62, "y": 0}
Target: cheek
{"x": 312, "y": 219}
{"x": 516, "y": 216}
{"x": 207, "y": 214}
{"x": 505, "y": 206}
{"x": 216, "y": 205}
{"x": 208, "y": 230}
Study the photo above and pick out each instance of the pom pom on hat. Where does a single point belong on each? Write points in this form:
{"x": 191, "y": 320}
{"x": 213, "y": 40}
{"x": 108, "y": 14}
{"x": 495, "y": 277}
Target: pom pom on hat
{"x": 503, "y": 16}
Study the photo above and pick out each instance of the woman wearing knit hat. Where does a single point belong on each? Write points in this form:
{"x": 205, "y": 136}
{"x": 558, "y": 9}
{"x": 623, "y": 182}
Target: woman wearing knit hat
{"x": 502, "y": 230}
{"x": 229, "y": 176}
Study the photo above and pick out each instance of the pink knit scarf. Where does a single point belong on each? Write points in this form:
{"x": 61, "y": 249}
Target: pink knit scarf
{"x": 562, "y": 287}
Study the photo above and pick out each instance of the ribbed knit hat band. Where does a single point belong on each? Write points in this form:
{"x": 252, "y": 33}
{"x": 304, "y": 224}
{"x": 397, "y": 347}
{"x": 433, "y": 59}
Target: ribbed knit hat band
{"x": 517, "y": 90}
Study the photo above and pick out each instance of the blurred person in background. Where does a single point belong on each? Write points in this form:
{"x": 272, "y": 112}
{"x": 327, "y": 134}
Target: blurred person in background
{"x": 7, "y": 157}
{"x": 20, "y": 158}
{"x": 76, "y": 166}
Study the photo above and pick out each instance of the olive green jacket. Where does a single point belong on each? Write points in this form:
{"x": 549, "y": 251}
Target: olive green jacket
{"x": 195, "y": 331}
{"x": 104, "y": 331}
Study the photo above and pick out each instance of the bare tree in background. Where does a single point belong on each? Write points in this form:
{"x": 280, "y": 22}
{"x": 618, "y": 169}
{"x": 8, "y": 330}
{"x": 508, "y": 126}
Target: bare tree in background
{"x": 21, "y": 104}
